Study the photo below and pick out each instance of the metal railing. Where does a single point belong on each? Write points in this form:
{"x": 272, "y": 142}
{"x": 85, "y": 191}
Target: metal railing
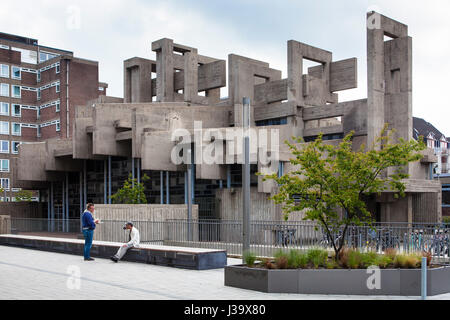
{"x": 267, "y": 237}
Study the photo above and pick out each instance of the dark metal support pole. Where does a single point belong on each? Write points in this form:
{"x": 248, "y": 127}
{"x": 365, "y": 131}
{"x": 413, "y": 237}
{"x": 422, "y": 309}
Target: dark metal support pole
{"x": 105, "y": 183}
{"x": 186, "y": 187}
{"x": 67, "y": 202}
{"x": 138, "y": 160}
{"x": 63, "y": 205}
{"x": 48, "y": 209}
{"x": 189, "y": 194}
{"x": 167, "y": 187}
{"x": 228, "y": 176}
{"x": 85, "y": 182}
{"x": 132, "y": 172}
{"x": 52, "y": 213}
{"x": 109, "y": 179}
{"x": 161, "y": 191}
{"x": 81, "y": 199}
{"x": 246, "y": 177}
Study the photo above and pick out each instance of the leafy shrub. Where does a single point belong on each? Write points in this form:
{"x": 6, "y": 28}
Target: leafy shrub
{"x": 391, "y": 253}
{"x": 318, "y": 257}
{"x": 369, "y": 259}
{"x": 400, "y": 261}
{"x": 296, "y": 259}
{"x": 332, "y": 264}
{"x": 354, "y": 259}
{"x": 249, "y": 258}
{"x": 383, "y": 261}
{"x": 267, "y": 263}
{"x": 281, "y": 259}
{"x": 413, "y": 260}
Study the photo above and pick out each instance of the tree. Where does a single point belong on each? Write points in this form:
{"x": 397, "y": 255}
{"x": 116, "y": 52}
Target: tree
{"x": 328, "y": 177}
{"x": 24, "y": 195}
{"x": 129, "y": 194}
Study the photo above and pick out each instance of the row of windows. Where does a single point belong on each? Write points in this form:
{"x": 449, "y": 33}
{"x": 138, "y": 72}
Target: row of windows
{"x": 16, "y": 72}
{"x": 4, "y": 146}
{"x": 16, "y": 128}
{"x": 16, "y": 91}
{"x": 16, "y": 110}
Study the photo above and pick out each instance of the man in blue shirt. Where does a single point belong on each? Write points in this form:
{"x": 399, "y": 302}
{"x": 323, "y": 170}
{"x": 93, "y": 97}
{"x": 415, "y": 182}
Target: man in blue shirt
{"x": 88, "y": 225}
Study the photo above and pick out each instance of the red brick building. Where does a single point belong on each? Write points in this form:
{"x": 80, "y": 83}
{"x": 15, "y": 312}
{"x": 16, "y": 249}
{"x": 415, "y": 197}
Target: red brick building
{"x": 40, "y": 88}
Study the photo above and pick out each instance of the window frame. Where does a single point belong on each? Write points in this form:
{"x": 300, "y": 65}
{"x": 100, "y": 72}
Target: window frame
{"x": 2, "y": 151}
{"x": 1, "y": 70}
{"x": 1, "y": 165}
{"x": 1, "y": 127}
{"x": 1, "y": 109}
{"x": 9, "y": 183}
{"x": 13, "y": 75}
{"x": 13, "y": 113}
{"x": 13, "y": 151}
{"x": 12, "y": 129}
{"x": 13, "y": 94}
{"x": 4, "y": 85}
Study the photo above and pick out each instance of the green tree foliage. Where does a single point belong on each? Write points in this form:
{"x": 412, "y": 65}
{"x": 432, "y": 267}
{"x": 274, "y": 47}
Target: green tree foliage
{"x": 328, "y": 177}
{"x": 129, "y": 194}
{"x": 24, "y": 195}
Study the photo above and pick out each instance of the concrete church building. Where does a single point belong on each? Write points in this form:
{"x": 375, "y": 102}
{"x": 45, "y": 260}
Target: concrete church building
{"x": 112, "y": 138}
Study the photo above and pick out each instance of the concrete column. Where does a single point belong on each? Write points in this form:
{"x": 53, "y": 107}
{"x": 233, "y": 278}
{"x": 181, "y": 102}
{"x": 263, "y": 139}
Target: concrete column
{"x": 138, "y": 170}
{"x": 190, "y": 76}
{"x": 164, "y": 70}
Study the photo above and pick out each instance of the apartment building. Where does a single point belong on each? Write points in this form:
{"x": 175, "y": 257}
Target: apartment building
{"x": 40, "y": 88}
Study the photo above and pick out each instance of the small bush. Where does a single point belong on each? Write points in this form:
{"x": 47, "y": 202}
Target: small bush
{"x": 296, "y": 259}
{"x": 413, "y": 260}
{"x": 332, "y": 264}
{"x": 267, "y": 263}
{"x": 354, "y": 259}
{"x": 281, "y": 259}
{"x": 400, "y": 261}
{"x": 318, "y": 257}
{"x": 369, "y": 259}
{"x": 383, "y": 261}
{"x": 391, "y": 253}
{"x": 249, "y": 258}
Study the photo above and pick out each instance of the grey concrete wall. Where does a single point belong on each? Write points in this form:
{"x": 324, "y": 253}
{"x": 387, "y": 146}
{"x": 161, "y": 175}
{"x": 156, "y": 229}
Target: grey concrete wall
{"x": 5, "y": 224}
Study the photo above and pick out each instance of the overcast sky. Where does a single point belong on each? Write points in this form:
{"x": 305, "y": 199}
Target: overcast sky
{"x": 110, "y": 31}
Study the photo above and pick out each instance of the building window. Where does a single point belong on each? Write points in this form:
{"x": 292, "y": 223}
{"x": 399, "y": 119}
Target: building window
{"x": 39, "y": 131}
{"x": 4, "y": 127}
{"x": 58, "y": 70}
{"x": 4, "y": 90}
{"x": 58, "y": 88}
{"x": 38, "y": 113}
{"x": 16, "y": 129}
{"x": 4, "y": 71}
{"x": 4, "y": 109}
{"x": 38, "y": 76}
{"x": 44, "y": 56}
{"x": 57, "y": 107}
{"x": 17, "y": 110}
{"x": 4, "y": 183}
{"x": 58, "y": 126}
{"x": 17, "y": 93}
{"x": 39, "y": 94}
{"x": 4, "y": 165}
{"x": 15, "y": 147}
{"x": 16, "y": 73}
{"x": 4, "y": 146}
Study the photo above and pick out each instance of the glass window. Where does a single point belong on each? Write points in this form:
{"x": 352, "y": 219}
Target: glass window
{"x": 58, "y": 70}
{"x": 4, "y": 70}
{"x": 4, "y": 146}
{"x": 39, "y": 131}
{"x": 39, "y": 94}
{"x": 58, "y": 126}
{"x": 17, "y": 91}
{"x": 38, "y": 76}
{"x": 15, "y": 147}
{"x": 4, "y": 127}
{"x": 4, "y": 89}
{"x": 57, "y": 107}
{"x": 4, "y": 109}
{"x": 17, "y": 110}
{"x": 44, "y": 56}
{"x": 16, "y": 129}
{"x": 57, "y": 88}
{"x": 16, "y": 73}
{"x": 4, "y": 183}
{"x": 4, "y": 165}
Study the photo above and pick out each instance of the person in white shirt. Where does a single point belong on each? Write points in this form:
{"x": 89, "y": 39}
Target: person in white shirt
{"x": 132, "y": 243}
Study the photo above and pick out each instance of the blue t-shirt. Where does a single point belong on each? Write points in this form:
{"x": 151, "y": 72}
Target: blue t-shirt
{"x": 87, "y": 220}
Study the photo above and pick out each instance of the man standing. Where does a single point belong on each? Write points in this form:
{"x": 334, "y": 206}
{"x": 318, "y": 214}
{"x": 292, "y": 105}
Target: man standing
{"x": 88, "y": 225}
{"x": 133, "y": 238}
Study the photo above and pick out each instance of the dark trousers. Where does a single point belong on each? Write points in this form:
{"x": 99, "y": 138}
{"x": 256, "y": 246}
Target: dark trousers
{"x": 88, "y": 235}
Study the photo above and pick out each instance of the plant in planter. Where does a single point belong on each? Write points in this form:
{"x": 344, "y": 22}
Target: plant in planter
{"x": 331, "y": 183}
{"x": 249, "y": 258}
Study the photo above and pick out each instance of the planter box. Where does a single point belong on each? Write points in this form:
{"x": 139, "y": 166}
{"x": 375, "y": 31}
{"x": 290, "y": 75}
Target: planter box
{"x": 398, "y": 282}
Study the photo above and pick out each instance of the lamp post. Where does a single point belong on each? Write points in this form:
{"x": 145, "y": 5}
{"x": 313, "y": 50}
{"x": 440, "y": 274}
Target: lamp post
{"x": 246, "y": 176}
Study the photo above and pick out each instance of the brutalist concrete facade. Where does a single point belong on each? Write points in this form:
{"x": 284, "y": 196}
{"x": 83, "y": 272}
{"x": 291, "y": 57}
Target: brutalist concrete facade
{"x": 181, "y": 87}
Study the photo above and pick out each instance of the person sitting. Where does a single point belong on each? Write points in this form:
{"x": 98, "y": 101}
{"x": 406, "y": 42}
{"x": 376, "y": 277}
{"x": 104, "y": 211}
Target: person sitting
{"x": 133, "y": 242}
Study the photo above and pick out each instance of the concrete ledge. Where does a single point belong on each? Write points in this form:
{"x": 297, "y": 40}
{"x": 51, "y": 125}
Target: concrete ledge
{"x": 398, "y": 282}
{"x": 186, "y": 258}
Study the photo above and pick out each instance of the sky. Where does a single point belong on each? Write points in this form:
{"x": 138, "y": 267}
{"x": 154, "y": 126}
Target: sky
{"x": 111, "y": 31}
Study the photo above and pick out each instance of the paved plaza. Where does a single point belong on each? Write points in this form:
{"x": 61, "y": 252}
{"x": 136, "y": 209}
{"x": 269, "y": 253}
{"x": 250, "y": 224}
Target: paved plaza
{"x": 32, "y": 274}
